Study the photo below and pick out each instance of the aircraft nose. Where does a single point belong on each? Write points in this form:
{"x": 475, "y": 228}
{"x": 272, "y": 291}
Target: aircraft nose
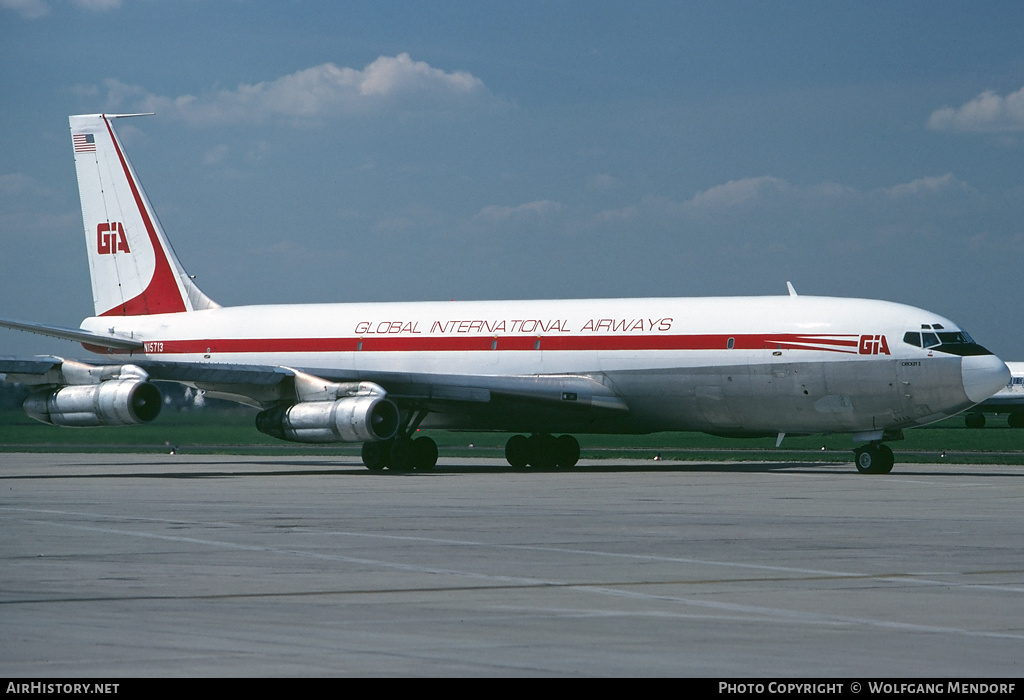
{"x": 983, "y": 375}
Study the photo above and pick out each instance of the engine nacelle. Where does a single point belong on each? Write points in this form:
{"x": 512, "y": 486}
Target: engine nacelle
{"x": 351, "y": 419}
{"x": 113, "y": 402}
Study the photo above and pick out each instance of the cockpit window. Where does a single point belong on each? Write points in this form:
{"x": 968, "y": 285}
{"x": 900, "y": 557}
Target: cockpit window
{"x": 921, "y": 340}
{"x": 950, "y": 342}
{"x": 958, "y": 337}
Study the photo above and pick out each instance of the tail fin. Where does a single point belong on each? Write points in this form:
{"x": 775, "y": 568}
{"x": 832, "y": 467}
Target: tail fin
{"x": 133, "y": 268}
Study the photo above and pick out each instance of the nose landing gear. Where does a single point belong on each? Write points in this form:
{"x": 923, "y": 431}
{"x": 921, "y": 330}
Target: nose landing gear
{"x": 874, "y": 458}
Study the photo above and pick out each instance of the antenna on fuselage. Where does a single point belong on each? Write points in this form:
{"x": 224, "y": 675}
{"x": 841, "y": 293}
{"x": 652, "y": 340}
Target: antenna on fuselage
{"x": 789, "y": 286}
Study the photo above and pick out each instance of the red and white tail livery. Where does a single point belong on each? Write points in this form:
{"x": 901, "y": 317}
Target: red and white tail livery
{"x": 375, "y": 373}
{"x": 134, "y": 270}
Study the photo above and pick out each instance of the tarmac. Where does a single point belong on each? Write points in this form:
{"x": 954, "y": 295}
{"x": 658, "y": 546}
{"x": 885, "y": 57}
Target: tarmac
{"x": 184, "y": 566}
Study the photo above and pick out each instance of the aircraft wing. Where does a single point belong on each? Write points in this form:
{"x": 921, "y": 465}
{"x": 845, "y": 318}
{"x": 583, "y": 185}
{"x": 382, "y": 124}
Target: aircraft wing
{"x": 112, "y": 342}
{"x": 435, "y": 389}
{"x": 32, "y": 366}
{"x": 267, "y": 385}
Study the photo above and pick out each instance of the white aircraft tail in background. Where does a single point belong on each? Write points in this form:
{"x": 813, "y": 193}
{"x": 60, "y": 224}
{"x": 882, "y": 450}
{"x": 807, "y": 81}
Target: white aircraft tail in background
{"x": 1009, "y": 401}
{"x": 375, "y": 373}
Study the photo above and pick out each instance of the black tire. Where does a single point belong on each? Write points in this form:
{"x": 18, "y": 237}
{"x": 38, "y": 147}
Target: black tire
{"x": 401, "y": 457}
{"x": 864, "y": 458}
{"x": 375, "y": 455}
{"x": 874, "y": 459}
{"x": 974, "y": 420}
{"x": 517, "y": 451}
{"x": 567, "y": 451}
{"x": 542, "y": 451}
{"x": 1016, "y": 420}
{"x": 424, "y": 454}
{"x": 886, "y": 459}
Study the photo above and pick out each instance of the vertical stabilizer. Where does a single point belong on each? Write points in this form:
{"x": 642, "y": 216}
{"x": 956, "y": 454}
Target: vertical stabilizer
{"x": 133, "y": 268}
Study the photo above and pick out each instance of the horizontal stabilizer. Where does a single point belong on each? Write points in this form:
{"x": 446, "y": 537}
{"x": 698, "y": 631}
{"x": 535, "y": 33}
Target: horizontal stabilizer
{"x": 74, "y": 334}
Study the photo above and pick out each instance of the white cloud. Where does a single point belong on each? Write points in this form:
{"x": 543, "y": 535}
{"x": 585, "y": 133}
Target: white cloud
{"x": 396, "y": 224}
{"x": 986, "y": 113}
{"x": 602, "y": 182}
{"x": 216, "y": 155}
{"x": 388, "y": 83}
{"x": 531, "y": 210}
{"x": 616, "y": 216}
{"x": 752, "y": 192}
{"x": 19, "y": 185}
{"x": 391, "y": 76}
{"x": 925, "y": 186}
{"x": 98, "y": 5}
{"x": 745, "y": 206}
{"x": 738, "y": 192}
{"x": 28, "y": 205}
{"x": 37, "y": 9}
{"x": 28, "y": 9}
{"x": 759, "y": 192}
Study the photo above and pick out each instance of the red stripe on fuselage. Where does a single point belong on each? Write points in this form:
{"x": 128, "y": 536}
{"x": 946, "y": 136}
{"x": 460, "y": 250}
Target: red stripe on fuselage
{"x": 841, "y": 344}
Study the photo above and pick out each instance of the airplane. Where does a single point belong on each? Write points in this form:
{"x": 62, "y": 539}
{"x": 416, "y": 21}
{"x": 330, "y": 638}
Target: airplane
{"x": 375, "y": 373}
{"x": 1008, "y": 400}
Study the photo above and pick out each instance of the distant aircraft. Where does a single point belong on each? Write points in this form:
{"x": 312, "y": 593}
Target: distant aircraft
{"x": 1009, "y": 400}
{"x": 376, "y": 372}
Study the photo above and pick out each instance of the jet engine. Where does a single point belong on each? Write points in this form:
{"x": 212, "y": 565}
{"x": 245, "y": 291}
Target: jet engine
{"x": 350, "y": 419}
{"x": 112, "y": 402}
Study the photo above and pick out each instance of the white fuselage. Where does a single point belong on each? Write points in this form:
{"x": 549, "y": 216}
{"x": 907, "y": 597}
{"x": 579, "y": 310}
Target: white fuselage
{"x": 734, "y": 365}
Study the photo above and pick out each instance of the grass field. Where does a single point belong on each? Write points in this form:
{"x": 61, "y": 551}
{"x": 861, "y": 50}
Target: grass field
{"x": 232, "y": 432}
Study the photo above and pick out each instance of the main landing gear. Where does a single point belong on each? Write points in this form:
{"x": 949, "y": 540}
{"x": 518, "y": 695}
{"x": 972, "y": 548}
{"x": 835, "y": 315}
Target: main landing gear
{"x": 542, "y": 451}
{"x": 874, "y": 458}
{"x": 977, "y": 420}
{"x": 402, "y": 453}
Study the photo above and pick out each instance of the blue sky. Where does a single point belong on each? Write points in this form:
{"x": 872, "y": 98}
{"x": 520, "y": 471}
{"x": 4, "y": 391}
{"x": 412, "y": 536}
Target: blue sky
{"x": 361, "y": 151}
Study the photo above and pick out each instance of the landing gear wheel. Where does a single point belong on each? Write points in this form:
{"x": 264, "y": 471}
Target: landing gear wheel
{"x": 864, "y": 459}
{"x": 888, "y": 459}
{"x": 1016, "y": 420}
{"x": 375, "y": 455}
{"x": 401, "y": 457}
{"x": 567, "y": 451}
{"x": 424, "y": 454}
{"x": 974, "y": 420}
{"x": 517, "y": 451}
{"x": 542, "y": 451}
{"x": 874, "y": 459}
